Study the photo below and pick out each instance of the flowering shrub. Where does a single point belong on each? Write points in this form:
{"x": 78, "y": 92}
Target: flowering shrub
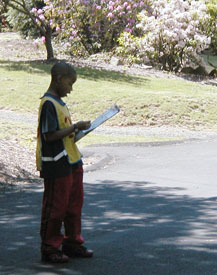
{"x": 90, "y": 26}
{"x": 212, "y": 24}
{"x": 128, "y": 48}
{"x": 173, "y": 34}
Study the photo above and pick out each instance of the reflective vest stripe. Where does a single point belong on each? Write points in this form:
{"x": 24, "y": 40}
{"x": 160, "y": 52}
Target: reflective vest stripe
{"x": 56, "y": 158}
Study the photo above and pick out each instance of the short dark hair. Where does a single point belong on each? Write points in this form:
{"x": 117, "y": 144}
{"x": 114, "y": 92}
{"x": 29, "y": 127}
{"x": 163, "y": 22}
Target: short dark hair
{"x": 63, "y": 69}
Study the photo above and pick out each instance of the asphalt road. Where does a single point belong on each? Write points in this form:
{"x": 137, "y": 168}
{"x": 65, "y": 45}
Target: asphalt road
{"x": 148, "y": 210}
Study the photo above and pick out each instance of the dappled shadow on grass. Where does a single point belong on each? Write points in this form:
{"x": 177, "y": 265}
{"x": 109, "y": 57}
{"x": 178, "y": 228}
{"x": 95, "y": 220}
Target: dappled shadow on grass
{"x": 94, "y": 74}
{"x": 37, "y": 66}
{"x": 88, "y": 73}
{"x": 134, "y": 228}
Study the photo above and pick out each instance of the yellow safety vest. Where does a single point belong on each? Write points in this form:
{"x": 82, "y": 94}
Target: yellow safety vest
{"x": 70, "y": 148}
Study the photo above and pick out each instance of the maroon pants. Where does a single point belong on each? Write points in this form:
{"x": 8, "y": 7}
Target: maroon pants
{"x": 62, "y": 204}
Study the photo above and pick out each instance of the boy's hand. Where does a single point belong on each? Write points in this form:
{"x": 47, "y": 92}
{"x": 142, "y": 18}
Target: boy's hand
{"x": 83, "y": 125}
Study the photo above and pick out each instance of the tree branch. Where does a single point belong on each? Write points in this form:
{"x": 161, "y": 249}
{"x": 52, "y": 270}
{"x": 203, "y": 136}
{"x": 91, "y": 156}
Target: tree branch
{"x": 26, "y": 11}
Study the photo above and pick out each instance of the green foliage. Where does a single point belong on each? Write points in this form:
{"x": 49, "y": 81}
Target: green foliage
{"x": 3, "y": 23}
{"x": 22, "y": 22}
{"x": 129, "y": 53}
{"x": 212, "y": 26}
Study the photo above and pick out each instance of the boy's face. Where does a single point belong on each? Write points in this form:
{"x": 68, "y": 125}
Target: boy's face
{"x": 64, "y": 85}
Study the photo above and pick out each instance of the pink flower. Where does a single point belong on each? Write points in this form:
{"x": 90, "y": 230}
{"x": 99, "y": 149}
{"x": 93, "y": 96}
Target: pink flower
{"x": 110, "y": 15}
{"x": 41, "y": 16}
{"x": 34, "y": 10}
{"x": 86, "y": 3}
{"x": 43, "y": 39}
{"x": 40, "y": 11}
{"x": 35, "y": 42}
{"x": 128, "y": 30}
{"x": 131, "y": 20}
{"x": 74, "y": 33}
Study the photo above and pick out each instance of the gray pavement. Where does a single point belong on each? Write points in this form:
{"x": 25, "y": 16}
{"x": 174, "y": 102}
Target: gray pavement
{"x": 149, "y": 209}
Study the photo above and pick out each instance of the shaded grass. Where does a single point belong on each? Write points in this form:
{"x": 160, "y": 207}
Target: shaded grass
{"x": 148, "y": 101}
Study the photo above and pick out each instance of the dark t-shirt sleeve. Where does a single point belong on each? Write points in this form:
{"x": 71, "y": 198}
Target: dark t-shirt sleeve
{"x": 49, "y": 121}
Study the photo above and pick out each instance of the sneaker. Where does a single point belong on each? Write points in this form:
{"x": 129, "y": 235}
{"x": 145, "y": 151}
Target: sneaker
{"x": 77, "y": 251}
{"x": 57, "y": 257}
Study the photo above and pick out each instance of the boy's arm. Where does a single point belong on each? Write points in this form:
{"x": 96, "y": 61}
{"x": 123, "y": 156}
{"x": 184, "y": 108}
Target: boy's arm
{"x": 49, "y": 124}
{"x": 60, "y": 134}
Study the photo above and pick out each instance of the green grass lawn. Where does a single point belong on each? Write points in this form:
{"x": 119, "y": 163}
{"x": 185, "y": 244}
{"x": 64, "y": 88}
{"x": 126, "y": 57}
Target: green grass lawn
{"x": 147, "y": 101}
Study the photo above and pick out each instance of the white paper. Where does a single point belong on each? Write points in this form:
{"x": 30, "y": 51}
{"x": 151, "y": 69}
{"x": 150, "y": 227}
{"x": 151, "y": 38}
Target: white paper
{"x": 98, "y": 121}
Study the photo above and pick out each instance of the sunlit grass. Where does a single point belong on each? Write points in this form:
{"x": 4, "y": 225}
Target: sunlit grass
{"x": 22, "y": 133}
{"x": 25, "y": 135}
{"x": 148, "y": 101}
{"x": 92, "y": 139}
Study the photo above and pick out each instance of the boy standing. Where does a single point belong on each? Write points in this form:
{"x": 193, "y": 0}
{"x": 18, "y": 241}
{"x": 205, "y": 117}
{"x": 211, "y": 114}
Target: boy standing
{"x": 59, "y": 162}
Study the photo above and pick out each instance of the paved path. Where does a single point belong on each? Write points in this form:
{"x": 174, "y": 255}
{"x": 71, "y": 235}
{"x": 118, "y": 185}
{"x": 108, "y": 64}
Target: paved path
{"x": 148, "y": 210}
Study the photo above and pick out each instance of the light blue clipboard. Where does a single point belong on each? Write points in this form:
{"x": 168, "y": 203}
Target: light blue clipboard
{"x": 98, "y": 121}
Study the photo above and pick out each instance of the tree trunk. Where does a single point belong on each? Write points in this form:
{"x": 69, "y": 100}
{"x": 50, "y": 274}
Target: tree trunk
{"x": 48, "y": 44}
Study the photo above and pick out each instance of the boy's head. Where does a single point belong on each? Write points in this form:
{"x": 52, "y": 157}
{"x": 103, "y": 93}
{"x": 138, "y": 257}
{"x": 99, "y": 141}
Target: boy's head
{"x": 63, "y": 76}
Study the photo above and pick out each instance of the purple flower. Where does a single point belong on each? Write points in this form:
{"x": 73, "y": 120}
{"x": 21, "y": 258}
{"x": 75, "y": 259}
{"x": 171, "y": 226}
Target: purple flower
{"x": 110, "y": 15}
{"x": 128, "y": 30}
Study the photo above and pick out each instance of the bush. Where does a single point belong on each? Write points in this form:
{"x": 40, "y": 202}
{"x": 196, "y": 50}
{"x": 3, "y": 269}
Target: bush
{"x": 21, "y": 22}
{"x": 92, "y": 26}
{"x": 212, "y": 24}
{"x": 173, "y": 34}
